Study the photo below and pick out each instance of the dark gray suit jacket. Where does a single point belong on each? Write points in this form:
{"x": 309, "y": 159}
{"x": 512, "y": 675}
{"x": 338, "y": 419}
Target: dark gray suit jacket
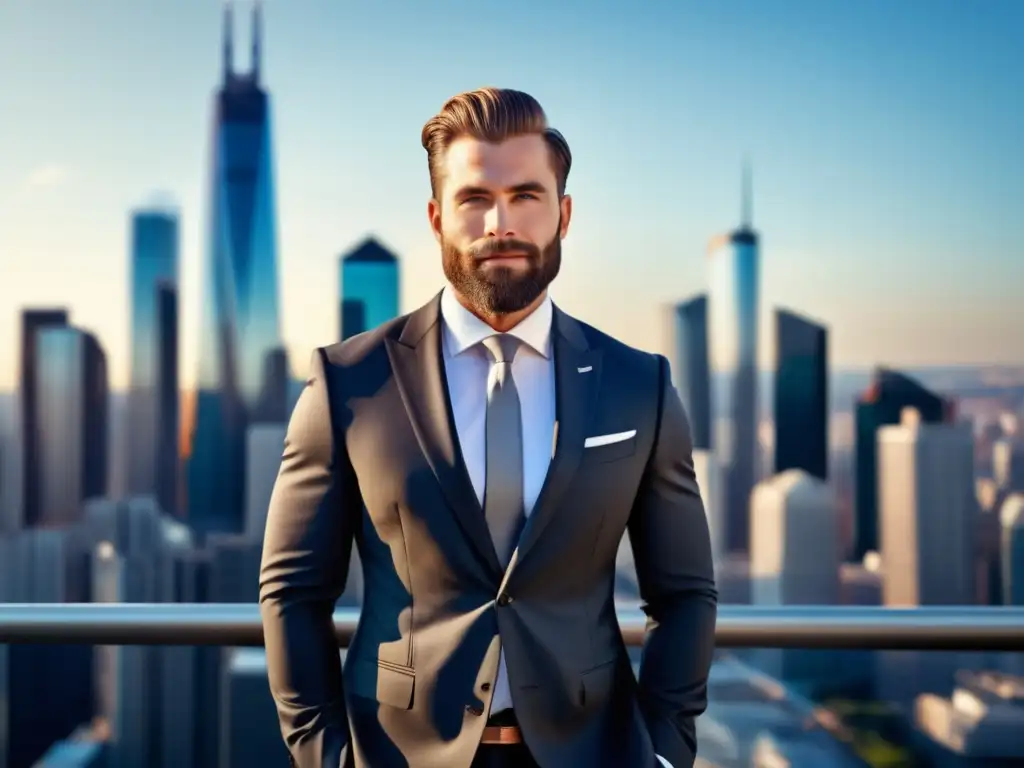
{"x": 372, "y": 457}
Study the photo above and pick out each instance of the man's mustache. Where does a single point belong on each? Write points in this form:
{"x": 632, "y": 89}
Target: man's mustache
{"x": 490, "y": 249}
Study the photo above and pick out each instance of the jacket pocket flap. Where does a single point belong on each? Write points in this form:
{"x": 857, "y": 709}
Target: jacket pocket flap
{"x": 386, "y": 683}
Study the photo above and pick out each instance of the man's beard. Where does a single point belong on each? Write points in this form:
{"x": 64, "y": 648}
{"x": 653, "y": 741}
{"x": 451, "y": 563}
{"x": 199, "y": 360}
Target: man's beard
{"x": 498, "y": 290}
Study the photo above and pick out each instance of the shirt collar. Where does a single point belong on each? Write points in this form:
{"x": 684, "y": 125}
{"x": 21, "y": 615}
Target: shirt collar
{"x": 463, "y": 329}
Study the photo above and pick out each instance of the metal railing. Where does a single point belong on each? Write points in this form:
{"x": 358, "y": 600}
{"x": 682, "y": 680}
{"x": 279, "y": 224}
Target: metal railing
{"x": 819, "y": 627}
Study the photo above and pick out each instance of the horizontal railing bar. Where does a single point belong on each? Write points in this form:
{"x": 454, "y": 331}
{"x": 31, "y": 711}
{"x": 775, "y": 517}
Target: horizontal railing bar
{"x": 965, "y": 628}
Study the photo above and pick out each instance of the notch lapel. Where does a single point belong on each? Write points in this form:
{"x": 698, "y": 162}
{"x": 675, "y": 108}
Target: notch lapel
{"x": 416, "y": 358}
{"x": 577, "y": 380}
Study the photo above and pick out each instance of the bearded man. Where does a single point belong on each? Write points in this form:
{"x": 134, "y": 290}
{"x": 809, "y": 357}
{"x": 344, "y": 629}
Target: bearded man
{"x": 487, "y": 453}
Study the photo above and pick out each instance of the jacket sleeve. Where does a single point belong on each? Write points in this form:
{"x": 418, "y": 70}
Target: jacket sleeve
{"x": 313, "y": 512}
{"x": 668, "y": 531}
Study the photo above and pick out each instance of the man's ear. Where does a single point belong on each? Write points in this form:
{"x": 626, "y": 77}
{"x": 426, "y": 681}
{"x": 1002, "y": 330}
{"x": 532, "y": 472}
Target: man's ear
{"x": 565, "y": 207}
{"x": 434, "y": 217}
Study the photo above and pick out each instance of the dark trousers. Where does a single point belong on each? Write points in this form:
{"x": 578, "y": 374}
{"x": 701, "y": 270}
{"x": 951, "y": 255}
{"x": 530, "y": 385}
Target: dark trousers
{"x": 503, "y": 756}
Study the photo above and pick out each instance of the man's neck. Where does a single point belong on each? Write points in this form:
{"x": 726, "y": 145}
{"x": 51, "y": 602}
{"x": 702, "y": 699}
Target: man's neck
{"x": 501, "y": 323}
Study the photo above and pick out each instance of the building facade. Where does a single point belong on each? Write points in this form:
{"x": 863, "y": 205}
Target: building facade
{"x": 801, "y": 395}
{"x": 240, "y": 331}
{"x": 733, "y": 322}
{"x": 369, "y": 288}
{"x": 153, "y": 399}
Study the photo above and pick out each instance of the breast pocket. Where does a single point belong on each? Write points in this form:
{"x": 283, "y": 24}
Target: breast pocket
{"x": 605, "y": 448}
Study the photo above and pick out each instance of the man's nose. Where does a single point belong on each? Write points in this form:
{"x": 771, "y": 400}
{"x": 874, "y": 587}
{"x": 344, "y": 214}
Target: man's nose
{"x": 497, "y": 223}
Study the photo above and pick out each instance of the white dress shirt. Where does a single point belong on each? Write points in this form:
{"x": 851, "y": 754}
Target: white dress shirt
{"x": 467, "y": 367}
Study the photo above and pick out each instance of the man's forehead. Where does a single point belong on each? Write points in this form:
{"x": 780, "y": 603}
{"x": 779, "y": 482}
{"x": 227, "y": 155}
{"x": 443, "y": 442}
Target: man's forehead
{"x": 468, "y": 158}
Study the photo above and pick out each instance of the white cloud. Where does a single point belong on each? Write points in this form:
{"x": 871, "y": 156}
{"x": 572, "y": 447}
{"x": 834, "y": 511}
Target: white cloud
{"x": 50, "y": 175}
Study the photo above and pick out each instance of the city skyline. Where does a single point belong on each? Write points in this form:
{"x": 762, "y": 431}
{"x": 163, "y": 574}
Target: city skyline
{"x": 850, "y": 237}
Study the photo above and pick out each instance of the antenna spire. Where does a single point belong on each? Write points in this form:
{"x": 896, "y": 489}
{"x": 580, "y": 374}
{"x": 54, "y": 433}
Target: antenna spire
{"x": 747, "y": 196}
{"x": 257, "y": 38}
{"x": 228, "y": 46}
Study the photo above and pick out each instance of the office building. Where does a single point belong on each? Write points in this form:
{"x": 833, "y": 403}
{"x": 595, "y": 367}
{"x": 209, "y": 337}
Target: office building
{"x": 167, "y": 442}
{"x": 241, "y": 326}
{"x": 72, "y": 400}
{"x": 264, "y": 446}
{"x": 801, "y": 395}
{"x": 273, "y": 404}
{"x": 928, "y": 511}
{"x": 881, "y": 404}
{"x": 49, "y": 686}
{"x": 688, "y": 357}
{"x": 143, "y": 555}
{"x": 733, "y": 313}
{"x": 794, "y": 560}
{"x": 369, "y": 288}
{"x": 32, "y": 321}
{"x": 123, "y": 695}
{"x": 153, "y": 276}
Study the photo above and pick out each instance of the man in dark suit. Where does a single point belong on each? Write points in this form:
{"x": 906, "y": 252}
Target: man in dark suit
{"x": 486, "y": 454}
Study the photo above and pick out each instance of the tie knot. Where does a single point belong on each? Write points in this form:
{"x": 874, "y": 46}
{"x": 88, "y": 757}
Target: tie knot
{"x": 502, "y": 347}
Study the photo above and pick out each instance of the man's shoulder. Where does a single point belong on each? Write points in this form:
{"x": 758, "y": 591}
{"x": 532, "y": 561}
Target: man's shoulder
{"x": 364, "y": 346}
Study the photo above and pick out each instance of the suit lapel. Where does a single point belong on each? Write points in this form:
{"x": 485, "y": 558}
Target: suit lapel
{"x": 577, "y": 379}
{"x": 416, "y": 358}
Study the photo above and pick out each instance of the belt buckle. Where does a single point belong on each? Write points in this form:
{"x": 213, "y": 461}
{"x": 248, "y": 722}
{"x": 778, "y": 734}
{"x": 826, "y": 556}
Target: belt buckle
{"x": 501, "y": 734}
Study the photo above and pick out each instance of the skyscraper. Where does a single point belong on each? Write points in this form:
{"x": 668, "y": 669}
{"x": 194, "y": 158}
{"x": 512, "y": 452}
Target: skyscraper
{"x": 71, "y": 394}
{"x": 733, "y": 350}
{"x": 691, "y": 372}
{"x": 32, "y": 322}
{"x": 369, "y": 288}
{"x": 153, "y": 396}
{"x": 168, "y": 401}
{"x": 240, "y": 325}
{"x": 801, "y": 395}
{"x": 928, "y": 511}
{"x": 882, "y": 404}
{"x": 794, "y": 560}
{"x": 49, "y": 687}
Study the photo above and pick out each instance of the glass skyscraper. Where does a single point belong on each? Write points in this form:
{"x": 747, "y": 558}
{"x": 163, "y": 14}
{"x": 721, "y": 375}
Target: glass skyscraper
{"x": 369, "y": 288}
{"x": 71, "y": 395}
{"x": 801, "y": 395}
{"x": 690, "y": 368}
{"x": 153, "y": 399}
{"x": 734, "y": 305}
{"x": 168, "y": 400}
{"x": 240, "y": 330}
{"x": 33, "y": 321}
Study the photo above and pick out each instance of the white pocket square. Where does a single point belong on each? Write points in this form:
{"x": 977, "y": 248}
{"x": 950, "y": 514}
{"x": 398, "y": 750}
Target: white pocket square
{"x": 618, "y": 437}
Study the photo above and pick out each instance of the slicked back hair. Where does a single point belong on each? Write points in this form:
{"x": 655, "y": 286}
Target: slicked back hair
{"x": 492, "y": 115}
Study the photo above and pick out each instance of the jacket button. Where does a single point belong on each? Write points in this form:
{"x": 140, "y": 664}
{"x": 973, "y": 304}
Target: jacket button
{"x": 503, "y": 600}
{"x": 474, "y": 710}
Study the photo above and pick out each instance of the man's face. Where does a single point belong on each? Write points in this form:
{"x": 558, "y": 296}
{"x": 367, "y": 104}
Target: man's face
{"x": 500, "y": 222}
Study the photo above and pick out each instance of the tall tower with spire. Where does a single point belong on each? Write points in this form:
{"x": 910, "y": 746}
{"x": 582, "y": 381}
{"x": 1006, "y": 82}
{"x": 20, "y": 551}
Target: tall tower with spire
{"x": 240, "y": 342}
{"x": 733, "y": 320}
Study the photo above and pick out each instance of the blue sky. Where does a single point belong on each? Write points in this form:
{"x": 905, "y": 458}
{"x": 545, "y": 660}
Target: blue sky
{"x": 886, "y": 140}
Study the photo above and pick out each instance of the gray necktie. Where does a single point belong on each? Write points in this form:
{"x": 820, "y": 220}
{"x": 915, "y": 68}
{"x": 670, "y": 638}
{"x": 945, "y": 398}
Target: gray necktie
{"x": 503, "y": 489}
